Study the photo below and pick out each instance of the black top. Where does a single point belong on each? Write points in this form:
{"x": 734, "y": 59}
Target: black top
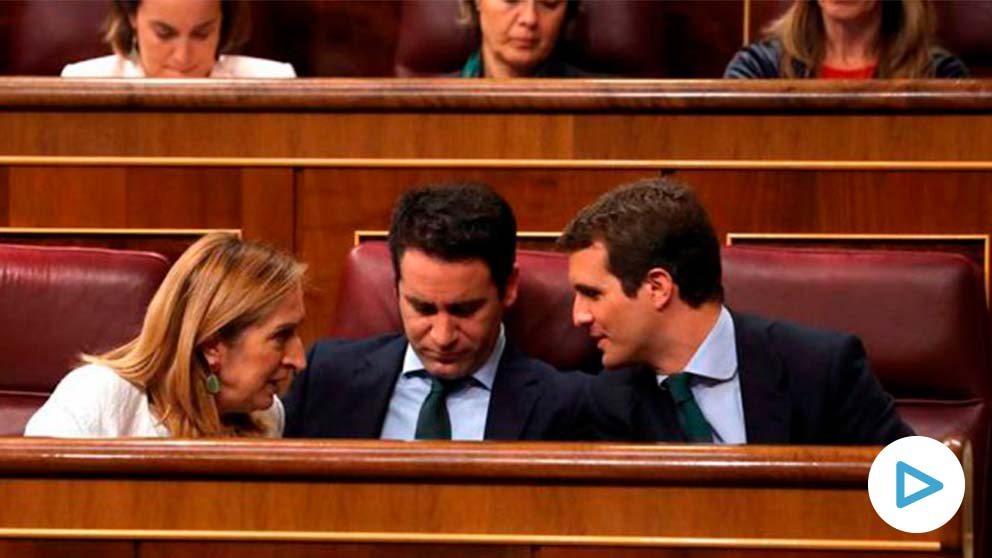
{"x": 761, "y": 61}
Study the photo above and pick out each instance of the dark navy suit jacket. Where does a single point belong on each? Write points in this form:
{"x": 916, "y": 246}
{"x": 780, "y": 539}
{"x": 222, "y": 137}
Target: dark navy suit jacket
{"x": 798, "y": 386}
{"x": 346, "y": 388}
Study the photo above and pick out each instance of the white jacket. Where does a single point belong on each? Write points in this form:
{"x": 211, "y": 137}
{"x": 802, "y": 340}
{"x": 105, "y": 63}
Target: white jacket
{"x": 93, "y": 401}
{"x": 227, "y": 66}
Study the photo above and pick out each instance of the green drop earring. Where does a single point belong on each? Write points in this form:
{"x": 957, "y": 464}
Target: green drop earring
{"x": 213, "y": 383}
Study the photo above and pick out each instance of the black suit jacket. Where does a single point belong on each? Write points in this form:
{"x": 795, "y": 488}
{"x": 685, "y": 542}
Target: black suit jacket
{"x": 798, "y": 386}
{"x": 346, "y": 388}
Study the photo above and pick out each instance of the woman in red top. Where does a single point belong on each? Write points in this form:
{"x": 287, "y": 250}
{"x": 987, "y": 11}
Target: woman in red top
{"x": 849, "y": 39}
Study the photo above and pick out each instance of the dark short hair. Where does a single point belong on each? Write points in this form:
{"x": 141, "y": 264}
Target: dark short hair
{"x": 652, "y": 223}
{"x": 456, "y": 222}
{"x": 235, "y": 26}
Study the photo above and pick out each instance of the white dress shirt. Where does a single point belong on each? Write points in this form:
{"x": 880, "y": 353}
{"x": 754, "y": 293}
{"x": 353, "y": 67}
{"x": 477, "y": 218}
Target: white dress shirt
{"x": 468, "y": 406}
{"x": 715, "y": 383}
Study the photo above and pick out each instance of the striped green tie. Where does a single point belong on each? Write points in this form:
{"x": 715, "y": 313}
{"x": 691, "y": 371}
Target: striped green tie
{"x": 694, "y": 424}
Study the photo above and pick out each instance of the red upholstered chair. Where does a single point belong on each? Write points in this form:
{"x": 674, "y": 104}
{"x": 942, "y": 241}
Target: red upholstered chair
{"x": 676, "y": 38}
{"x": 921, "y": 315}
{"x": 58, "y": 302}
{"x": 44, "y": 36}
{"x": 540, "y": 322}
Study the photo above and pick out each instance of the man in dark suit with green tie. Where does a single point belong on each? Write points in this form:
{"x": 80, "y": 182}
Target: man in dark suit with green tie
{"x": 452, "y": 373}
{"x": 645, "y": 266}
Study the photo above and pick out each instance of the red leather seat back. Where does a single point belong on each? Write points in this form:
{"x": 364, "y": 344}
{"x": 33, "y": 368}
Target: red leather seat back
{"x": 540, "y": 321}
{"x": 58, "y": 302}
{"x": 45, "y": 36}
{"x": 921, "y": 315}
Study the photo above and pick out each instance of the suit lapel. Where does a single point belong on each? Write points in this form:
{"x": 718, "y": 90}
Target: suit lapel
{"x": 767, "y": 406}
{"x": 516, "y": 389}
{"x": 371, "y": 386}
{"x": 654, "y": 416}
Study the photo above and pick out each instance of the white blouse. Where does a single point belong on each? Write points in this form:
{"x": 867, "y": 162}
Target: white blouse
{"x": 227, "y": 66}
{"x": 93, "y": 401}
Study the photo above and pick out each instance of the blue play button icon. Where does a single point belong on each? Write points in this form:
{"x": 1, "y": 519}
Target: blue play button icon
{"x": 903, "y": 469}
{"x": 894, "y": 485}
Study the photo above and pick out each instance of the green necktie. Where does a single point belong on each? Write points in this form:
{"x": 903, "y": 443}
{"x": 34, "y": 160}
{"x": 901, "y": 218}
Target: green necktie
{"x": 693, "y": 422}
{"x": 433, "y": 422}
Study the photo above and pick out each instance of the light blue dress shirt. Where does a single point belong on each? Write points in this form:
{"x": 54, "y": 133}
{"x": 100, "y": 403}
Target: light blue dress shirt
{"x": 468, "y": 406}
{"x": 715, "y": 384}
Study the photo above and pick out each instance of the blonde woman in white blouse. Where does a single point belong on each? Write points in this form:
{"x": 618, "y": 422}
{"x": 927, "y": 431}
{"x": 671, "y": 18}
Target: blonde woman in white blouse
{"x": 177, "y": 39}
{"x": 219, "y": 340}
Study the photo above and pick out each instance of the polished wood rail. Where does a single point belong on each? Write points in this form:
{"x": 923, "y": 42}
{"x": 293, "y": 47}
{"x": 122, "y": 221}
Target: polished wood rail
{"x": 304, "y": 164}
{"x": 547, "y": 95}
{"x": 151, "y": 497}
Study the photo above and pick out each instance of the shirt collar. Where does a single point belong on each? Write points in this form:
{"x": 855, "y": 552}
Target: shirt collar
{"x": 551, "y": 67}
{"x": 716, "y": 357}
{"x": 484, "y": 376}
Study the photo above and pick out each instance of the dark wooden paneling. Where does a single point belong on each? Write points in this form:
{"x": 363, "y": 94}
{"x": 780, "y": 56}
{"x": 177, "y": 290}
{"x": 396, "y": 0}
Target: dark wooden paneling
{"x": 4, "y": 197}
{"x": 846, "y": 202}
{"x": 335, "y": 203}
{"x": 62, "y": 549}
{"x": 285, "y": 492}
{"x": 257, "y": 201}
{"x": 620, "y": 137}
{"x": 325, "y": 550}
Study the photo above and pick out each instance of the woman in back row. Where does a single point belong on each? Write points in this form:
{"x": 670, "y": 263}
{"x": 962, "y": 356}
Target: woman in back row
{"x": 849, "y": 39}
{"x": 177, "y": 39}
{"x": 518, "y": 38}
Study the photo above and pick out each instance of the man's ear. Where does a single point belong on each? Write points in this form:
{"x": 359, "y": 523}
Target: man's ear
{"x": 660, "y": 287}
{"x": 512, "y": 287}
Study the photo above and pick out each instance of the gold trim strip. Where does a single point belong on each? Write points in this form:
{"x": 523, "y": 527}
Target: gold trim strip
{"x": 747, "y": 23}
{"x": 382, "y": 235}
{"x": 618, "y": 164}
{"x": 843, "y": 236}
{"x": 114, "y": 231}
{"x": 451, "y": 538}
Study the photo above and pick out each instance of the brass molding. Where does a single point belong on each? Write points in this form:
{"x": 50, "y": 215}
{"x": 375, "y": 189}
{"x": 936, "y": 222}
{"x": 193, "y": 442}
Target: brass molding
{"x": 983, "y": 238}
{"x": 363, "y": 235}
{"x": 451, "y": 538}
{"x": 747, "y": 23}
{"x": 421, "y": 163}
{"x": 43, "y": 231}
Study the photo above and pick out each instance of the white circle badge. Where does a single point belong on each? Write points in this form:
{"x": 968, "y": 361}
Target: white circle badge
{"x": 916, "y": 484}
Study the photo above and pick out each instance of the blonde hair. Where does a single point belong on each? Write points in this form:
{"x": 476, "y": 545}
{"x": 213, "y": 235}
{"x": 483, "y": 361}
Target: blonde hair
{"x": 217, "y": 288}
{"x": 904, "y": 43}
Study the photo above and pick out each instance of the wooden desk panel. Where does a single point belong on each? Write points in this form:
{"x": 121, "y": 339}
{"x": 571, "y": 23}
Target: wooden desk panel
{"x": 305, "y": 163}
{"x": 515, "y": 499}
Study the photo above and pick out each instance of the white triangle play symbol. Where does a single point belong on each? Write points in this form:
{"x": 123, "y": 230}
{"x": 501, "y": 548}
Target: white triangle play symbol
{"x": 914, "y": 485}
